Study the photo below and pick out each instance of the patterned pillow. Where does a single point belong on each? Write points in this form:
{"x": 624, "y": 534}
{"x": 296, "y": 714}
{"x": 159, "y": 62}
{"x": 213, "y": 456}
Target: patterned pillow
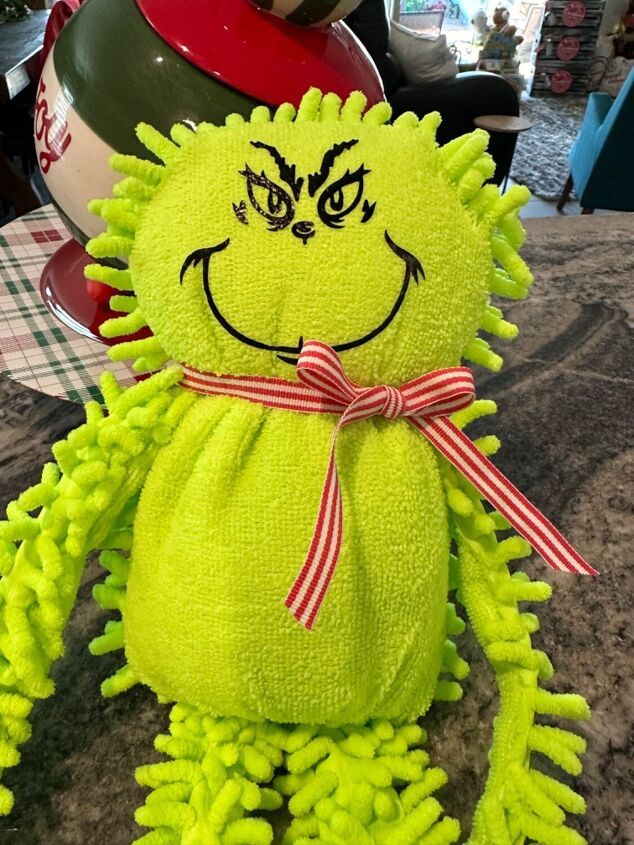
{"x": 422, "y": 58}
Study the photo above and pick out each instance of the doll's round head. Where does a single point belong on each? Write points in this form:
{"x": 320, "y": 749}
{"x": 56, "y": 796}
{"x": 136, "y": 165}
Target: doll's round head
{"x": 326, "y": 225}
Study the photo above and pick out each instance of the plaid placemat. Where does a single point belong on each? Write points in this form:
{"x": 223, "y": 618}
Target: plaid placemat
{"x": 36, "y": 349}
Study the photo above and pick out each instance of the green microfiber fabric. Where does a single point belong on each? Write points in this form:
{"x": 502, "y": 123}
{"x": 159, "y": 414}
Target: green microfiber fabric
{"x": 243, "y": 241}
{"x": 229, "y": 506}
{"x": 226, "y": 515}
{"x": 274, "y": 288}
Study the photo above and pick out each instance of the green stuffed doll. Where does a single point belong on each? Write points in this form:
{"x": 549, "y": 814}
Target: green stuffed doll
{"x": 201, "y": 486}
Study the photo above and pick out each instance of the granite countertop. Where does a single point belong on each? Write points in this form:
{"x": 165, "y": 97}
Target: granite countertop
{"x": 565, "y": 405}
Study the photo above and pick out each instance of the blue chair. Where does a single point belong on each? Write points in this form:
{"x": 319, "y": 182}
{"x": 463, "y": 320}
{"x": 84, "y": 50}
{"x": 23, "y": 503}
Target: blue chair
{"x": 601, "y": 162}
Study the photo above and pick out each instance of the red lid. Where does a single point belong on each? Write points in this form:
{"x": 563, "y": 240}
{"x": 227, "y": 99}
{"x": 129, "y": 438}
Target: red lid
{"x": 262, "y": 55}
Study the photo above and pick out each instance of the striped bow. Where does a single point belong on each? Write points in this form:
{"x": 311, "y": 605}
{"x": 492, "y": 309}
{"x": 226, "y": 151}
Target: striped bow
{"x": 426, "y": 402}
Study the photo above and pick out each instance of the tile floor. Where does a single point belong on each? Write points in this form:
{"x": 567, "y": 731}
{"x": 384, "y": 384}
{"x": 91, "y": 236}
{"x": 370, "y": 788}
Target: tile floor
{"x": 537, "y": 207}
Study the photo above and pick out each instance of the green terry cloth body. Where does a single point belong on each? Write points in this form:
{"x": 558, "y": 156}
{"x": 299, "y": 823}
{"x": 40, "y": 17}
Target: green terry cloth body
{"x": 241, "y": 241}
{"x": 224, "y": 518}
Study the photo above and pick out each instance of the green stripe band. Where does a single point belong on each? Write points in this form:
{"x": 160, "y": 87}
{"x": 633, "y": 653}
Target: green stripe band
{"x": 118, "y": 72}
{"x": 312, "y": 11}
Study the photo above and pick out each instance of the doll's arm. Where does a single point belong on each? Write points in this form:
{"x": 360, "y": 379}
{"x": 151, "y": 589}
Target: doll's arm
{"x": 519, "y": 803}
{"x": 52, "y": 527}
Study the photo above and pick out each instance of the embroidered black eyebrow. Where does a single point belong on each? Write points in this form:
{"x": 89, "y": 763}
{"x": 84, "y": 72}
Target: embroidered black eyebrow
{"x": 288, "y": 172}
{"x": 316, "y": 180}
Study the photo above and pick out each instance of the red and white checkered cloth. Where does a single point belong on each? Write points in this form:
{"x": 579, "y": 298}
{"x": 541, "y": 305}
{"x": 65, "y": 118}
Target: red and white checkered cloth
{"x": 35, "y": 348}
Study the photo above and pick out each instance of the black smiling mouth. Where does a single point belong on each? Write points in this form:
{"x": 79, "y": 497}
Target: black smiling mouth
{"x": 289, "y": 354}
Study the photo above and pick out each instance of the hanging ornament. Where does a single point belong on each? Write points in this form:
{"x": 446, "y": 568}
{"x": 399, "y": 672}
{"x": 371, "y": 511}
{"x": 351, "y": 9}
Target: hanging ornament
{"x": 561, "y": 82}
{"x": 574, "y": 13}
{"x": 551, "y": 15}
{"x": 568, "y": 48}
{"x": 309, "y": 12}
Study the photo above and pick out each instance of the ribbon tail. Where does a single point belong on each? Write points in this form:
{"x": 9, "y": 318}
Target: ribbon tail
{"x": 306, "y": 596}
{"x": 525, "y": 518}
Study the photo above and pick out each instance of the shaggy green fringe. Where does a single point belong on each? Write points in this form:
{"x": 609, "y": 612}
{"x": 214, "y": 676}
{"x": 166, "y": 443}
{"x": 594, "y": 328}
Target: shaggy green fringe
{"x": 520, "y": 803}
{"x": 211, "y": 789}
{"x": 365, "y": 785}
{"x": 77, "y": 506}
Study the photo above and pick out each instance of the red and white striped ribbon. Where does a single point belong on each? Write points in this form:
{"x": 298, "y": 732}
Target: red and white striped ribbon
{"x": 426, "y": 402}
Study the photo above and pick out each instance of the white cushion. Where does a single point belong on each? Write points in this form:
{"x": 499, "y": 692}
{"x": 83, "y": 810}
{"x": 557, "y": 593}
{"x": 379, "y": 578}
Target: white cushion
{"x": 423, "y": 58}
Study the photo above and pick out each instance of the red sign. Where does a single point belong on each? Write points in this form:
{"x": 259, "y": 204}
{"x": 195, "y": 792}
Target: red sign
{"x": 568, "y": 48}
{"x": 561, "y": 81}
{"x": 573, "y": 13}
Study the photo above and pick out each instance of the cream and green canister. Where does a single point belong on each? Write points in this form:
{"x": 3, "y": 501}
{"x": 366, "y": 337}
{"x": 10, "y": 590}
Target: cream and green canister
{"x": 166, "y": 61}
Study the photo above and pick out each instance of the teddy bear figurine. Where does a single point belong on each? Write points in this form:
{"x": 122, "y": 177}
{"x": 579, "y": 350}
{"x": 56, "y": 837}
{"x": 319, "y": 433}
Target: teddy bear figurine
{"x": 481, "y": 28}
{"x": 498, "y": 53}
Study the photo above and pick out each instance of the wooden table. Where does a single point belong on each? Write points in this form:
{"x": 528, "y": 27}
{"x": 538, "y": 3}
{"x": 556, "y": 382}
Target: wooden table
{"x": 503, "y": 124}
{"x": 20, "y": 45}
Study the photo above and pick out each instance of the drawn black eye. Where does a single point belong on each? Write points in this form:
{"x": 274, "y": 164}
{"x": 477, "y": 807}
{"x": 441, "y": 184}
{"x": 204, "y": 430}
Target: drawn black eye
{"x": 269, "y": 199}
{"x": 341, "y": 198}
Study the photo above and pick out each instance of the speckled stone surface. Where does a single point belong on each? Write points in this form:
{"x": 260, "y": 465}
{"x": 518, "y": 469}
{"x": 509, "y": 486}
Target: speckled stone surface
{"x": 565, "y": 405}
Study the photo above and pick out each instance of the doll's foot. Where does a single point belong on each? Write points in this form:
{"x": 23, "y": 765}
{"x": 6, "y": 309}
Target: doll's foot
{"x": 364, "y": 785}
{"x": 211, "y": 791}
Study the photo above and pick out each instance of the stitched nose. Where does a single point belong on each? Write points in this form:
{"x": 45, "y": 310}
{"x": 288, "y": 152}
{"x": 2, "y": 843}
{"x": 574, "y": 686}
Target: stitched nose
{"x": 303, "y": 230}
{"x": 394, "y": 404}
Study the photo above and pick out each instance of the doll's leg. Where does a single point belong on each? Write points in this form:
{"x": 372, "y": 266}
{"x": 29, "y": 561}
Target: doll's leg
{"x": 211, "y": 791}
{"x": 363, "y": 785}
